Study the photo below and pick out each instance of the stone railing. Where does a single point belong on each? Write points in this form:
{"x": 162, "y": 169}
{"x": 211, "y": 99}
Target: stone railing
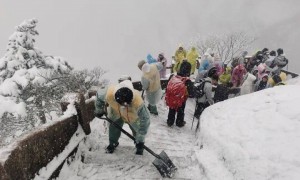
{"x": 24, "y": 159}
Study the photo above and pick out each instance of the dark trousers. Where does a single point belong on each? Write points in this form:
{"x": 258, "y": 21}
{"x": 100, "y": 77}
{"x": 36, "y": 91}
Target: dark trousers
{"x": 200, "y": 108}
{"x": 180, "y": 116}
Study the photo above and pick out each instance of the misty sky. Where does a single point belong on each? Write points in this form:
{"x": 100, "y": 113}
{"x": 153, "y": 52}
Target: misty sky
{"x": 116, "y": 34}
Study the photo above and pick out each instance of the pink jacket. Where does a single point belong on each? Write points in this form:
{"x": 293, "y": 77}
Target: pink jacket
{"x": 237, "y": 75}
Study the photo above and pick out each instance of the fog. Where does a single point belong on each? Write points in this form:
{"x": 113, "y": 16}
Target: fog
{"x": 116, "y": 34}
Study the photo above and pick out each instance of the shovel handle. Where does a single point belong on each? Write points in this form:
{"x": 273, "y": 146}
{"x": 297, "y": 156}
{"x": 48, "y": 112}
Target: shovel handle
{"x": 129, "y": 135}
{"x": 143, "y": 94}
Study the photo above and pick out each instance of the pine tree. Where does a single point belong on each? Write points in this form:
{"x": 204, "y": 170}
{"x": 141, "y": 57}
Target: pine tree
{"x": 35, "y": 82}
{"x": 22, "y": 71}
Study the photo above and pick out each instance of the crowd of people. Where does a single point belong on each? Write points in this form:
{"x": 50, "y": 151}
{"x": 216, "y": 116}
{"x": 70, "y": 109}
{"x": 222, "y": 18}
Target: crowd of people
{"x": 214, "y": 82}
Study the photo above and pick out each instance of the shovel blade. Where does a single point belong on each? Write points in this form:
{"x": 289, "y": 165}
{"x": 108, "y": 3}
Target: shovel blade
{"x": 164, "y": 165}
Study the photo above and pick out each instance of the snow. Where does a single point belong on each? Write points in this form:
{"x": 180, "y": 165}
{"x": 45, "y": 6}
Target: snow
{"x": 8, "y": 104}
{"x": 255, "y": 136}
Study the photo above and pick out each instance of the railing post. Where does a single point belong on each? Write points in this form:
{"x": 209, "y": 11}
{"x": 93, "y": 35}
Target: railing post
{"x": 82, "y": 113}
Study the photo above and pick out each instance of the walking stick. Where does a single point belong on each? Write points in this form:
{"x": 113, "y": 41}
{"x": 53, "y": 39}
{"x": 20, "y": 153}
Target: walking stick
{"x": 194, "y": 114}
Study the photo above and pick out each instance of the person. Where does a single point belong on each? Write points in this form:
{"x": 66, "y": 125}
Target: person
{"x": 255, "y": 60}
{"x": 183, "y": 73}
{"x": 243, "y": 57}
{"x": 261, "y": 68}
{"x": 262, "y": 84}
{"x": 279, "y": 62}
{"x": 266, "y": 54}
{"x": 207, "y": 99}
{"x": 239, "y": 60}
{"x": 277, "y": 80}
{"x": 150, "y": 59}
{"x": 221, "y": 91}
{"x": 237, "y": 75}
{"x": 205, "y": 65}
{"x": 161, "y": 58}
{"x": 125, "y": 105}
{"x": 248, "y": 85}
{"x": 218, "y": 63}
{"x": 151, "y": 84}
{"x": 123, "y": 78}
{"x": 192, "y": 57}
{"x": 225, "y": 77}
{"x": 180, "y": 55}
{"x": 272, "y": 56}
{"x": 282, "y": 76}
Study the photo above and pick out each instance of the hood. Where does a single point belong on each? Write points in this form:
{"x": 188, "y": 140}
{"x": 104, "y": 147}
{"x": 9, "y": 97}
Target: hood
{"x": 228, "y": 70}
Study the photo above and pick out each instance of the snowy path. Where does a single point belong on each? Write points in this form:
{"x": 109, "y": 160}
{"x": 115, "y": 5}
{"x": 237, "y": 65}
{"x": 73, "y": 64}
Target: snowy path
{"x": 178, "y": 143}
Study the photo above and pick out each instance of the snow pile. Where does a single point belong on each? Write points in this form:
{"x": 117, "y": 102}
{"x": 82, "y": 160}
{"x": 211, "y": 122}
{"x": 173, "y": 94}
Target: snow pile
{"x": 76, "y": 170}
{"x": 255, "y": 136}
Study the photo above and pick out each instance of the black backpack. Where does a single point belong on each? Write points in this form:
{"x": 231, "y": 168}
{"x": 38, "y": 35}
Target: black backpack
{"x": 199, "y": 88}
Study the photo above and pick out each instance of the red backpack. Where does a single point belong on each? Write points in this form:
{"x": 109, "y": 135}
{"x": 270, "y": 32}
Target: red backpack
{"x": 176, "y": 92}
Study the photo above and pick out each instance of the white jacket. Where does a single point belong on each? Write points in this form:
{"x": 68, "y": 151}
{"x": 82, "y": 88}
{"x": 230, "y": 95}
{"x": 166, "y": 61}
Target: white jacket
{"x": 248, "y": 86}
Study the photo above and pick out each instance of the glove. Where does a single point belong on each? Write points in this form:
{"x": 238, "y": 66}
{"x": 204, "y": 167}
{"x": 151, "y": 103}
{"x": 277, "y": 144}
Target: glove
{"x": 139, "y": 148}
{"x": 99, "y": 115}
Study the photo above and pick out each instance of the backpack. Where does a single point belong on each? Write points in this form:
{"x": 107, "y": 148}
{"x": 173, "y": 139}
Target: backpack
{"x": 176, "y": 92}
{"x": 199, "y": 88}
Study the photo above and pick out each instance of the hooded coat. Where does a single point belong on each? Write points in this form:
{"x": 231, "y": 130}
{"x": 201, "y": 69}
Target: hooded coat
{"x": 248, "y": 84}
{"x": 261, "y": 68}
{"x": 180, "y": 55}
{"x": 225, "y": 76}
{"x": 192, "y": 57}
{"x": 207, "y": 97}
{"x": 151, "y": 82}
{"x": 238, "y": 75}
{"x": 283, "y": 77}
{"x": 136, "y": 114}
{"x": 261, "y": 85}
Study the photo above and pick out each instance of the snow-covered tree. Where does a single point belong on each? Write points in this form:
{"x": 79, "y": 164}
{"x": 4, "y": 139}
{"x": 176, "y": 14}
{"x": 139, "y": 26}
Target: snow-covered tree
{"x": 32, "y": 84}
{"x": 226, "y": 46}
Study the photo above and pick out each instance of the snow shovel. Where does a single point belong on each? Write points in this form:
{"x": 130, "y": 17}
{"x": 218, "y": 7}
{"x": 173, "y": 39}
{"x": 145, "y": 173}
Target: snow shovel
{"x": 162, "y": 162}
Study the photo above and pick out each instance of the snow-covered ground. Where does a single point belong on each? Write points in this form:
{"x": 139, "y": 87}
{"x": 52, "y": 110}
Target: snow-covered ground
{"x": 250, "y": 137}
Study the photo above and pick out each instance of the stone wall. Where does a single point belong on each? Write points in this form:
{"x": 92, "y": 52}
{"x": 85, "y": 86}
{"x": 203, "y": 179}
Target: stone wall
{"x": 39, "y": 147}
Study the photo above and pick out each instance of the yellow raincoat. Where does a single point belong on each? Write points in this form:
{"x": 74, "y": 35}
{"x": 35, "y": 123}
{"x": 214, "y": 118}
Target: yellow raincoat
{"x": 283, "y": 77}
{"x": 180, "y": 55}
{"x": 192, "y": 58}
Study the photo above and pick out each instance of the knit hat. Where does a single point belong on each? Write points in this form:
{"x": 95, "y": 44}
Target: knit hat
{"x": 212, "y": 71}
{"x": 124, "y": 92}
{"x": 124, "y": 95}
{"x": 141, "y": 63}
